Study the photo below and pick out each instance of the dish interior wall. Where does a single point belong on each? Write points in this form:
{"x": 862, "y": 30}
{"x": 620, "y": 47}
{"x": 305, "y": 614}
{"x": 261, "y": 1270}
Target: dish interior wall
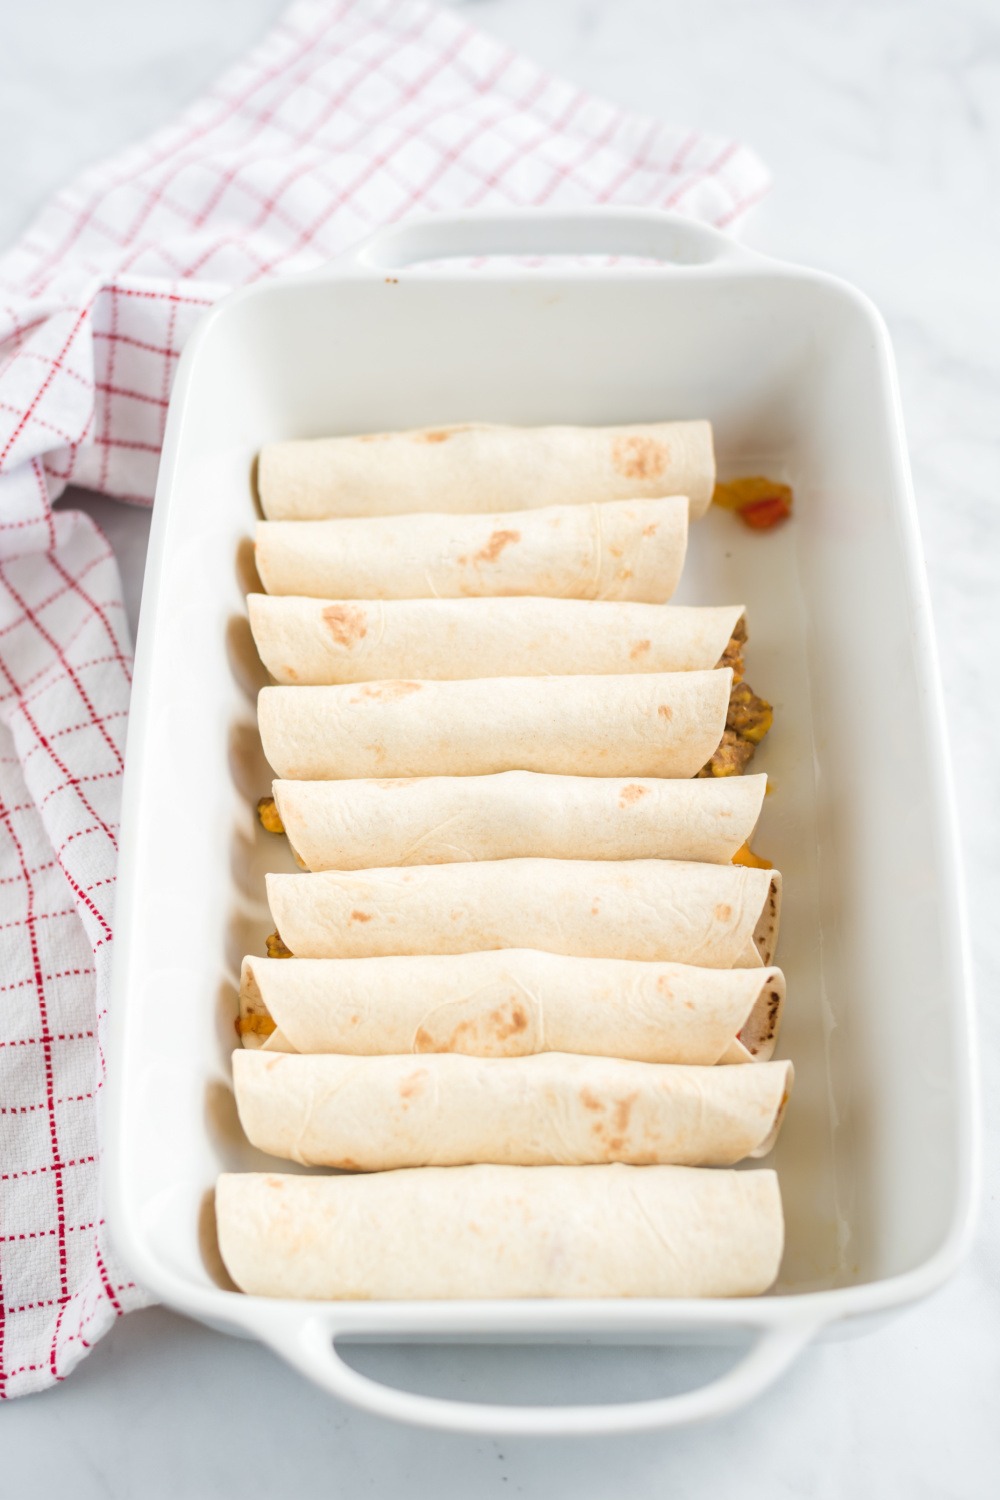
{"x": 797, "y": 388}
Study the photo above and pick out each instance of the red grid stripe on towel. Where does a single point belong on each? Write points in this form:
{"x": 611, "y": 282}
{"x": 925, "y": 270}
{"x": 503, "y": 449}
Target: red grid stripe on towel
{"x": 347, "y": 116}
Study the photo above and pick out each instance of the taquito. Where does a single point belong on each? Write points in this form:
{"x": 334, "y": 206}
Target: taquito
{"x": 484, "y": 1231}
{"x": 717, "y": 916}
{"x": 646, "y": 724}
{"x": 624, "y": 549}
{"x": 432, "y": 820}
{"x": 372, "y": 1114}
{"x": 511, "y": 1003}
{"x": 324, "y": 641}
{"x": 482, "y": 467}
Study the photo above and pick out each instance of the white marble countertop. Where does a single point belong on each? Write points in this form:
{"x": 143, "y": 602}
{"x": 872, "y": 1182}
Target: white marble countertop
{"x": 881, "y": 124}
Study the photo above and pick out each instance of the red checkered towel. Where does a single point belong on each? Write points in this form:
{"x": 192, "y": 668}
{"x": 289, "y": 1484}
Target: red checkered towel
{"x": 347, "y": 115}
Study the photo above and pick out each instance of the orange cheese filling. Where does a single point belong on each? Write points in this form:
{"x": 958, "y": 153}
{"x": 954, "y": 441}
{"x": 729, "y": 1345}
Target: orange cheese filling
{"x": 254, "y": 1025}
{"x": 745, "y": 856}
{"x": 759, "y": 502}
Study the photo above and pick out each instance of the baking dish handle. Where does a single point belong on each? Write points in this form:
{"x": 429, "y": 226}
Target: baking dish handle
{"x": 644, "y": 233}
{"x": 314, "y": 1352}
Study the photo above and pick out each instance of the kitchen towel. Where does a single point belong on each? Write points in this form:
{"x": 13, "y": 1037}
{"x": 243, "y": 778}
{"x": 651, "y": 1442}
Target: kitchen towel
{"x": 345, "y": 117}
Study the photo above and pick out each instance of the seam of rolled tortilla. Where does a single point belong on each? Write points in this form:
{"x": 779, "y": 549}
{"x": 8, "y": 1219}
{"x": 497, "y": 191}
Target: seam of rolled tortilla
{"x": 768, "y": 1143}
{"x": 757, "y": 1037}
{"x": 514, "y": 1002}
{"x": 765, "y": 936}
{"x": 254, "y": 1006}
{"x": 383, "y": 1112}
{"x": 361, "y": 823}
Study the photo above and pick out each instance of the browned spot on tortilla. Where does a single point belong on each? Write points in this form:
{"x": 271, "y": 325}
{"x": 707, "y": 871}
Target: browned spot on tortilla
{"x": 638, "y": 457}
{"x": 346, "y": 623}
{"x": 638, "y": 649}
{"x": 665, "y": 711}
{"x": 509, "y": 1023}
{"x": 291, "y": 672}
{"x": 624, "y": 572}
{"x": 361, "y": 916}
{"x": 615, "y": 1143}
{"x": 615, "y": 551}
{"x": 413, "y": 1084}
{"x": 389, "y": 690}
{"x": 372, "y": 437}
{"x": 631, "y": 793}
{"x": 463, "y": 1027}
{"x": 277, "y": 1183}
{"x": 663, "y": 985}
{"x": 497, "y": 542}
{"x": 623, "y": 1110}
{"x": 723, "y": 912}
{"x": 588, "y": 1100}
{"x": 436, "y": 436}
{"x": 651, "y": 529}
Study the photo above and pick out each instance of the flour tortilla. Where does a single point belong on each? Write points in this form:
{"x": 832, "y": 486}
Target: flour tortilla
{"x": 355, "y": 825}
{"x": 647, "y": 724}
{"x": 512, "y": 1003}
{"x": 717, "y": 916}
{"x": 480, "y": 467}
{"x": 316, "y": 641}
{"x": 483, "y": 1231}
{"x": 372, "y": 1114}
{"x": 624, "y": 549}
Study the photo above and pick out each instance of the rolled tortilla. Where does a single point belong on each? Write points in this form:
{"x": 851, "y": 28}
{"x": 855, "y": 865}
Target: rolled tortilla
{"x": 434, "y": 820}
{"x": 647, "y": 724}
{"x": 372, "y": 1114}
{"x": 481, "y": 467}
{"x": 511, "y": 1003}
{"x": 717, "y": 916}
{"x": 465, "y": 1232}
{"x": 332, "y": 641}
{"x": 625, "y": 549}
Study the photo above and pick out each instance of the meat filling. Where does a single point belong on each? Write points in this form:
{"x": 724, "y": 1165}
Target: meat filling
{"x": 749, "y": 717}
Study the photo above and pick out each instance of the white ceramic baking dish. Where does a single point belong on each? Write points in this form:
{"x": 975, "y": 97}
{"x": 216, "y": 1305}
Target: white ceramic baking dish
{"x": 794, "y": 369}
